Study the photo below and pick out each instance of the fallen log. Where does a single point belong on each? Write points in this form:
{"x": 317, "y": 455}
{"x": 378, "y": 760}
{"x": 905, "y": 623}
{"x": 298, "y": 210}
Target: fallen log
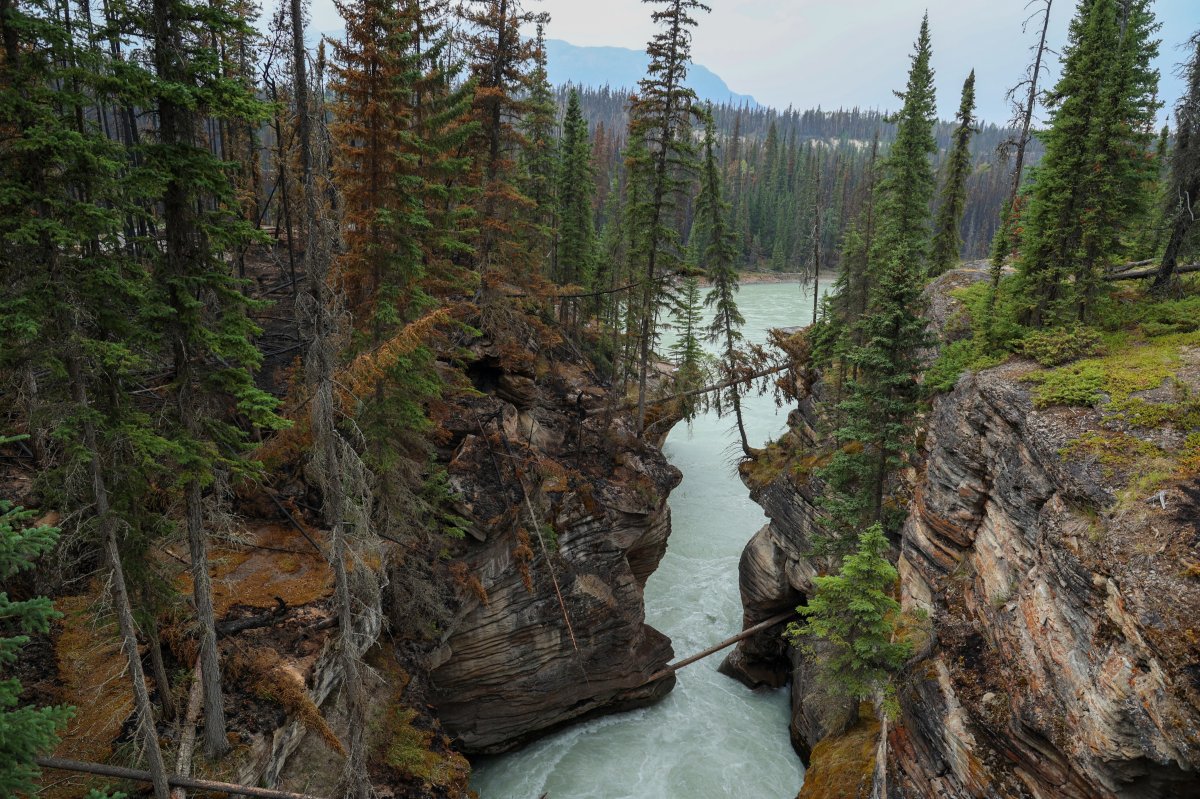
{"x": 226, "y": 628}
{"x": 121, "y": 773}
{"x": 710, "y": 388}
{"x": 1142, "y": 273}
{"x": 715, "y": 648}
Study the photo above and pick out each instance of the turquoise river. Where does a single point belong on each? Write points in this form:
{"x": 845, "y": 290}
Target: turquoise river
{"x": 711, "y": 737}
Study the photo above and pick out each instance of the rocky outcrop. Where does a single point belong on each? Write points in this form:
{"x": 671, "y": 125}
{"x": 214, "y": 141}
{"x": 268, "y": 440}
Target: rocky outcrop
{"x": 1061, "y": 595}
{"x": 1067, "y": 645}
{"x": 550, "y": 628}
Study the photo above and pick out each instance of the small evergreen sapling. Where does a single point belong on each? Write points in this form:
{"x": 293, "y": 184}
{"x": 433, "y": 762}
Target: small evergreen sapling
{"x": 25, "y": 732}
{"x": 854, "y": 613}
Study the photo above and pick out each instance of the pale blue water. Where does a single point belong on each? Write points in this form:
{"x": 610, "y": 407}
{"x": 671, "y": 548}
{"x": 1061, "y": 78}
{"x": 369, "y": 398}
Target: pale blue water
{"x": 711, "y": 737}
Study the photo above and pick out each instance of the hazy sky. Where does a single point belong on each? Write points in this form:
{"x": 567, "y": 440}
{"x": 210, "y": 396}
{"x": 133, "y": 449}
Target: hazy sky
{"x": 849, "y": 52}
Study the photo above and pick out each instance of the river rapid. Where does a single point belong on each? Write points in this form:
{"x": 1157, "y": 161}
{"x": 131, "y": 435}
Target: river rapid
{"x": 711, "y": 737}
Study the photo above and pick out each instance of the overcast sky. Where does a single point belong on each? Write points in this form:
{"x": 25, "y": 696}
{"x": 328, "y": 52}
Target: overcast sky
{"x": 807, "y": 53}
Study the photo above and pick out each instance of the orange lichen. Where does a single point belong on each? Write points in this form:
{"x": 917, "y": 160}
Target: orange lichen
{"x": 269, "y": 677}
{"x": 843, "y": 766}
{"x": 92, "y": 674}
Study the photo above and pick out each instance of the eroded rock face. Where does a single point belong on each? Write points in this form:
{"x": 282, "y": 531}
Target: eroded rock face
{"x": 1065, "y": 638}
{"x": 1064, "y": 654}
{"x": 551, "y": 625}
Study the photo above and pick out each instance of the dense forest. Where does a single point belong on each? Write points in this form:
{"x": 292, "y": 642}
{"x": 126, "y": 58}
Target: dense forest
{"x": 231, "y": 260}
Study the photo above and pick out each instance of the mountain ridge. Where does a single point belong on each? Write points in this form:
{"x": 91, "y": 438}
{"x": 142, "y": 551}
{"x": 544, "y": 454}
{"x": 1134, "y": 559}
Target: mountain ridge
{"x": 622, "y": 67}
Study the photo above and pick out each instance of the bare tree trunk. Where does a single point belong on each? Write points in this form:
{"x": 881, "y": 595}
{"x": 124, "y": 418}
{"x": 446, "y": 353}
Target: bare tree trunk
{"x": 161, "y": 681}
{"x": 120, "y": 594}
{"x": 215, "y": 742}
{"x": 328, "y": 449}
{"x": 1030, "y": 104}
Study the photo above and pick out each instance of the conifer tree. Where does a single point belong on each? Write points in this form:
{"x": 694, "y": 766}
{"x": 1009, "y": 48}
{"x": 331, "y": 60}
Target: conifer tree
{"x": 659, "y": 157}
{"x": 25, "y": 732}
{"x": 853, "y": 611}
{"x": 539, "y": 155}
{"x": 500, "y": 65}
{"x": 947, "y": 240}
{"x": 881, "y": 399}
{"x": 687, "y": 351}
{"x": 1183, "y": 185}
{"x": 205, "y": 313}
{"x": 1089, "y": 184}
{"x": 575, "y": 194}
{"x": 74, "y": 303}
{"x": 718, "y": 256}
{"x": 402, "y": 129}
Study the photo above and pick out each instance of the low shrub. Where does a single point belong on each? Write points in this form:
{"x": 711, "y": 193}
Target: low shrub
{"x": 1062, "y": 345}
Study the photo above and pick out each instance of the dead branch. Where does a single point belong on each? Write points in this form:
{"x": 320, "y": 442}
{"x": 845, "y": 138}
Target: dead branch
{"x": 119, "y": 772}
{"x": 1144, "y": 273}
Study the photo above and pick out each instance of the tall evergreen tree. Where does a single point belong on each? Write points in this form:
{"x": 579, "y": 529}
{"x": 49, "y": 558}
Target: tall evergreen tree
{"x": 881, "y": 399}
{"x": 687, "y": 351}
{"x": 718, "y": 258}
{"x": 575, "y": 194}
{"x": 206, "y": 318}
{"x": 1089, "y": 185}
{"x": 501, "y": 63}
{"x": 660, "y": 155}
{"x": 947, "y": 240}
{"x": 76, "y": 301}
{"x": 1183, "y": 185}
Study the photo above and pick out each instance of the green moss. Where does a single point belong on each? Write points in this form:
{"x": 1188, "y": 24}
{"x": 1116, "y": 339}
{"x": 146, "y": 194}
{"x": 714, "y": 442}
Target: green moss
{"x": 1112, "y": 450}
{"x": 1140, "y": 365}
{"x": 843, "y": 766}
{"x": 414, "y": 753}
{"x": 955, "y": 359}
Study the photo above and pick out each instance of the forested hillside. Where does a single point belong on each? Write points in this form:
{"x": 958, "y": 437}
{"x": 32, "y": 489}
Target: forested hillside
{"x": 333, "y": 385}
{"x": 785, "y": 169}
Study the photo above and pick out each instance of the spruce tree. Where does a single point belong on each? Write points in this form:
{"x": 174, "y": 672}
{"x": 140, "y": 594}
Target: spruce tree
{"x": 882, "y": 397}
{"x": 205, "y": 313}
{"x": 1089, "y": 184}
{"x": 947, "y": 240}
{"x": 539, "y": 153}
{"x": 854, "y": 613}
{"x": 575, "y": 193}
{"x": 25, "y": 732}
{"x": 660, "y": 157}
{"x": 718, "y": 259}
{"x": 687, "y": 352}
{"x": 76, "y": 305}
{"x": 502, "y": 65}
{"x": 1183, "y": 185}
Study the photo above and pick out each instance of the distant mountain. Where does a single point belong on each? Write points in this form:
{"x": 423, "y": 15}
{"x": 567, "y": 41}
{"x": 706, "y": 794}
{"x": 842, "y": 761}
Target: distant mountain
{"x": 620, "y": 67}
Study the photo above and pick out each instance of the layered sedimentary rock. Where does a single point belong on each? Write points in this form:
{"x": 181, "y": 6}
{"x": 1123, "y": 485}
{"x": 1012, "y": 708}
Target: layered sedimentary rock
{"x": 1067, "y": 648}
{"x": 569, "y": 519}
{"x": 1061, "y": 600}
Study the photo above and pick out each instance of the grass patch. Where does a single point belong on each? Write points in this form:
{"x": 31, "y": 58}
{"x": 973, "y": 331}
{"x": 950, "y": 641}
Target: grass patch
{"x": 1140, "y": 365}
{"x": 1112, "y": 450}
{"x": 955, "y": 359}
